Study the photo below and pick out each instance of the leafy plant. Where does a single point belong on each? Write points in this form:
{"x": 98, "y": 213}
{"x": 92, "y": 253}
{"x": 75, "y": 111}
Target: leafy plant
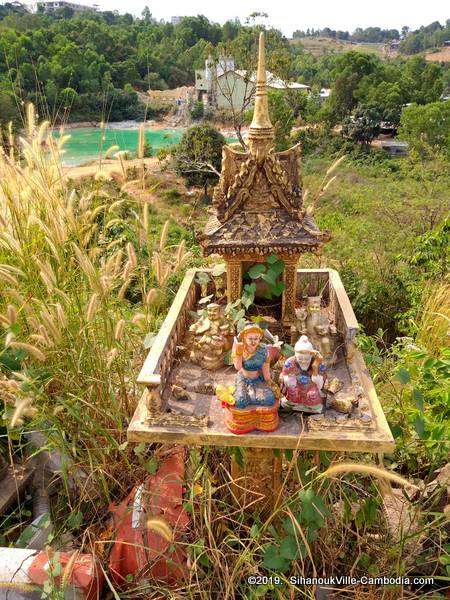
{"x": 269, "y": 271}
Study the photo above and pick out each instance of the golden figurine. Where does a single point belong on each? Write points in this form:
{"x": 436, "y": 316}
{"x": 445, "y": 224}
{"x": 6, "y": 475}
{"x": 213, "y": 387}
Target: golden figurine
{"x": 320, "y": 331}
{"x": 211, "y": 338}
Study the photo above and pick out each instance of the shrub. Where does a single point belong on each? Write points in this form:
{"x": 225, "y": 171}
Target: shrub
{"x": 198, "y": 155}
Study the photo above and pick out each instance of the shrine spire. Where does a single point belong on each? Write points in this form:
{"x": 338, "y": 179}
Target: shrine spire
{"x": 261, "y": 126}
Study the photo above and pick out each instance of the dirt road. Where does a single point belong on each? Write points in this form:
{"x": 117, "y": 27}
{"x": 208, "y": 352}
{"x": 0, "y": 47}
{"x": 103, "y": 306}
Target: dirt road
{"x": 108, "y": 166}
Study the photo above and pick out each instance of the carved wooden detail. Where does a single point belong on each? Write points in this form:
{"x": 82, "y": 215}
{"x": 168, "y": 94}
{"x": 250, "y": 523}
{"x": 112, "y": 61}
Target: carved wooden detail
{"x": 256, "y": 486}
{"x": 234, "y": 279}
{"x": 290, "y": 291}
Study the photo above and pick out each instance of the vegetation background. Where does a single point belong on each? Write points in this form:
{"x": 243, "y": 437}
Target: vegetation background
{"x": 88, "y": 269}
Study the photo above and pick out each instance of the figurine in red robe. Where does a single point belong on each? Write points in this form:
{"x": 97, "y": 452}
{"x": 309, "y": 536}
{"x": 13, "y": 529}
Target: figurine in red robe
{"x": 302, "y": 378}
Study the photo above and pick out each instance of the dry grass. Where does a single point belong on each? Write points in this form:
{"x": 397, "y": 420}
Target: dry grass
{"x": 434, "y": 326}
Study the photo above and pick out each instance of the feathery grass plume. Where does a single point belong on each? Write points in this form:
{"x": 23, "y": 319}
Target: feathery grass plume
{"x": 163, "y": 237}
{"x": 22, "y": 407}
{"x": 10, "y": 384}
{"x": 145, "y": 217}
{"x": 123, "y": 289}
{"x": 120, "y": 327}
{"x": 68, "y": 570}
{"x": 329, "y": 183}
{"x": 335, "y": 165}
{"x": 180, "y": 251}
{"x": 103, "y": 175}
{"x": 117, "y": 204}
{"x": 151, "y": 296}
{"x": 367, "y": 470}
{"x": 127, "y": 270}
{"x": 32, "y": 350}
{"x": 138, "y": 318}
{"x": 48, "y": 342}
{"x": 31, "y": 119}
{"x": 10, "y": 336}
{"x": 86, "y": 265}
{"x": 113, "y": 222}
{"x": 92, "y": 307}
{"x": 11, "y": 314}
{"x": 161, "y": 527}
{"x": 97, "y": 211}
{"x": 49, "y": 321}
{"x": 62, "y": 318}
{"x": 4, "y": 321}
{"x": 48, "y": 276}
{"x": 141, "y": 142}
{"x": 158, "y": 267}
{"x": 118, "y": 260}
{"x": 42, "y": 132}
{"x": 111, "y": 356}
{"x": 105, "y": 282}
{"x": 108, "y": 268}
{"x": 434, "y": 324}
{"x": 11, "y": 141}
{"x": 132, "y": 255}
{"x": 111, "y": 150}
{"x": 120, "y": 157}
{"x": 37, "y": 337}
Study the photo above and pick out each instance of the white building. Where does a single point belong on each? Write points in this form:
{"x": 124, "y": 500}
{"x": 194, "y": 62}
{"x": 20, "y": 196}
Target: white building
{"x": 54, "y": 5}
{"x": 220, "y": 84}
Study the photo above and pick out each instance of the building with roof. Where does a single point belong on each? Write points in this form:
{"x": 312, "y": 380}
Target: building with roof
{"x": 53, "y": 5}
{"x": 223, "y": 86}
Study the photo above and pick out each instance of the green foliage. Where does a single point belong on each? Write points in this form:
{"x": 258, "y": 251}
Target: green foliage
{"x": 199, "y": 154}
{"x": 432, "y": 35}
{"x": 284, "y": 108}
{"x": 427, "y": 128}
{"x": 270, "y": 271}
{"x": 198, "y": 111}
{"x": 290, "y": 546}
{"x": 415, "y": 391}
{"x": 363, "y": 126}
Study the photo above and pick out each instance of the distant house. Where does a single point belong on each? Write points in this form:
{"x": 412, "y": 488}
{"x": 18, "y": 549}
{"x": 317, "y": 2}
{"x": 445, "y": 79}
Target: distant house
{"x": 53, "y": 5}
{"x": 394, "y": 147}
{"x": 175, "y": 20}
{"x": 394, "y": 44}
{"x": 324, "y": 94}
{"x": 446, "y": 43}
{"x": 221, "y": 84}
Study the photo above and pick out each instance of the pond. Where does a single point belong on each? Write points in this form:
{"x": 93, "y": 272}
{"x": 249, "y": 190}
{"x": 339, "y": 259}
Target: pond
{"x": 89, "y": 143}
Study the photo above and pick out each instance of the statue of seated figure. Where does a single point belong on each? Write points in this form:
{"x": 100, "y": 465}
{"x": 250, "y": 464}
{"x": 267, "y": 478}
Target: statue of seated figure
{"x": 211, "y": 337}
{"x": 253, "y": 404}
{"x": 302, "y": 378}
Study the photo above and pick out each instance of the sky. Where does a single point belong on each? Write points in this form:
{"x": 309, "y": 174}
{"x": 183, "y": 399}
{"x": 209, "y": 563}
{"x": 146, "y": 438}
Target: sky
{"x": 289, "y": 15}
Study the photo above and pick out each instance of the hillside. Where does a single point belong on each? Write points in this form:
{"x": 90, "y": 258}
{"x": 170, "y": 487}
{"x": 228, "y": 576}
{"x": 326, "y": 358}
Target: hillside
{"x": 318, "y": 46}
{"x": 441, "y": 54}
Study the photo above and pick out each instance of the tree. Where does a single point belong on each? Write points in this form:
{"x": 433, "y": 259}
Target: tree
{"x": 363, "y": 126}
{"x": 146, "y": 15}
{"x": 198, "y": 156}
{"x": 427, "y": 128}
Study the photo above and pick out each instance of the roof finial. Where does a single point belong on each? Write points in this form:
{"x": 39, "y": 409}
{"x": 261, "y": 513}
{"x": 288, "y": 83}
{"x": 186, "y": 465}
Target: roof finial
{"x": 261, "y": 127}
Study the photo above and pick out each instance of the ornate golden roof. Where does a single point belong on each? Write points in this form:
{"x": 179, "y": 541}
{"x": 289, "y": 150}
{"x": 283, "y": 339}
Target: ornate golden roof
{"x": 257, "y": 204}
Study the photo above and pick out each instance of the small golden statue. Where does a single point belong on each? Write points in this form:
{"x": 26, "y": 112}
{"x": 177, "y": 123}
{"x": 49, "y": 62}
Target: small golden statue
{"x": 211, "y": 338}
{"x": 320, "y": 331}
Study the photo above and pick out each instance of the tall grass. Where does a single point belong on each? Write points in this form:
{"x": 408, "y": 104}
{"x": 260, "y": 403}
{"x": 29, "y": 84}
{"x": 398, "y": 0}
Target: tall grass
{"x": 77, "y": 295}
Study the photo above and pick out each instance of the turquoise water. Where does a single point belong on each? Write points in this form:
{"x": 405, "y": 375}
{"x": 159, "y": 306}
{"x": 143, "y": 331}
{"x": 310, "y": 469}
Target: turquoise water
{"x": 86, "y": 144}
{"x": 90, "y": 143}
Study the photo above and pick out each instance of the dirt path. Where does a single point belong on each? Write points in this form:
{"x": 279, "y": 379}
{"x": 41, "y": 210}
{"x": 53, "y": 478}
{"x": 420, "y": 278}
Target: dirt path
{"x": 108, "y": 166}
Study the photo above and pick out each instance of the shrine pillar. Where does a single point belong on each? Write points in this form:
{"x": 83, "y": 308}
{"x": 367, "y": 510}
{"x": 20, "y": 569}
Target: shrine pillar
{"x": 234, "y": 278}
{"x": 290, "y": 290}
